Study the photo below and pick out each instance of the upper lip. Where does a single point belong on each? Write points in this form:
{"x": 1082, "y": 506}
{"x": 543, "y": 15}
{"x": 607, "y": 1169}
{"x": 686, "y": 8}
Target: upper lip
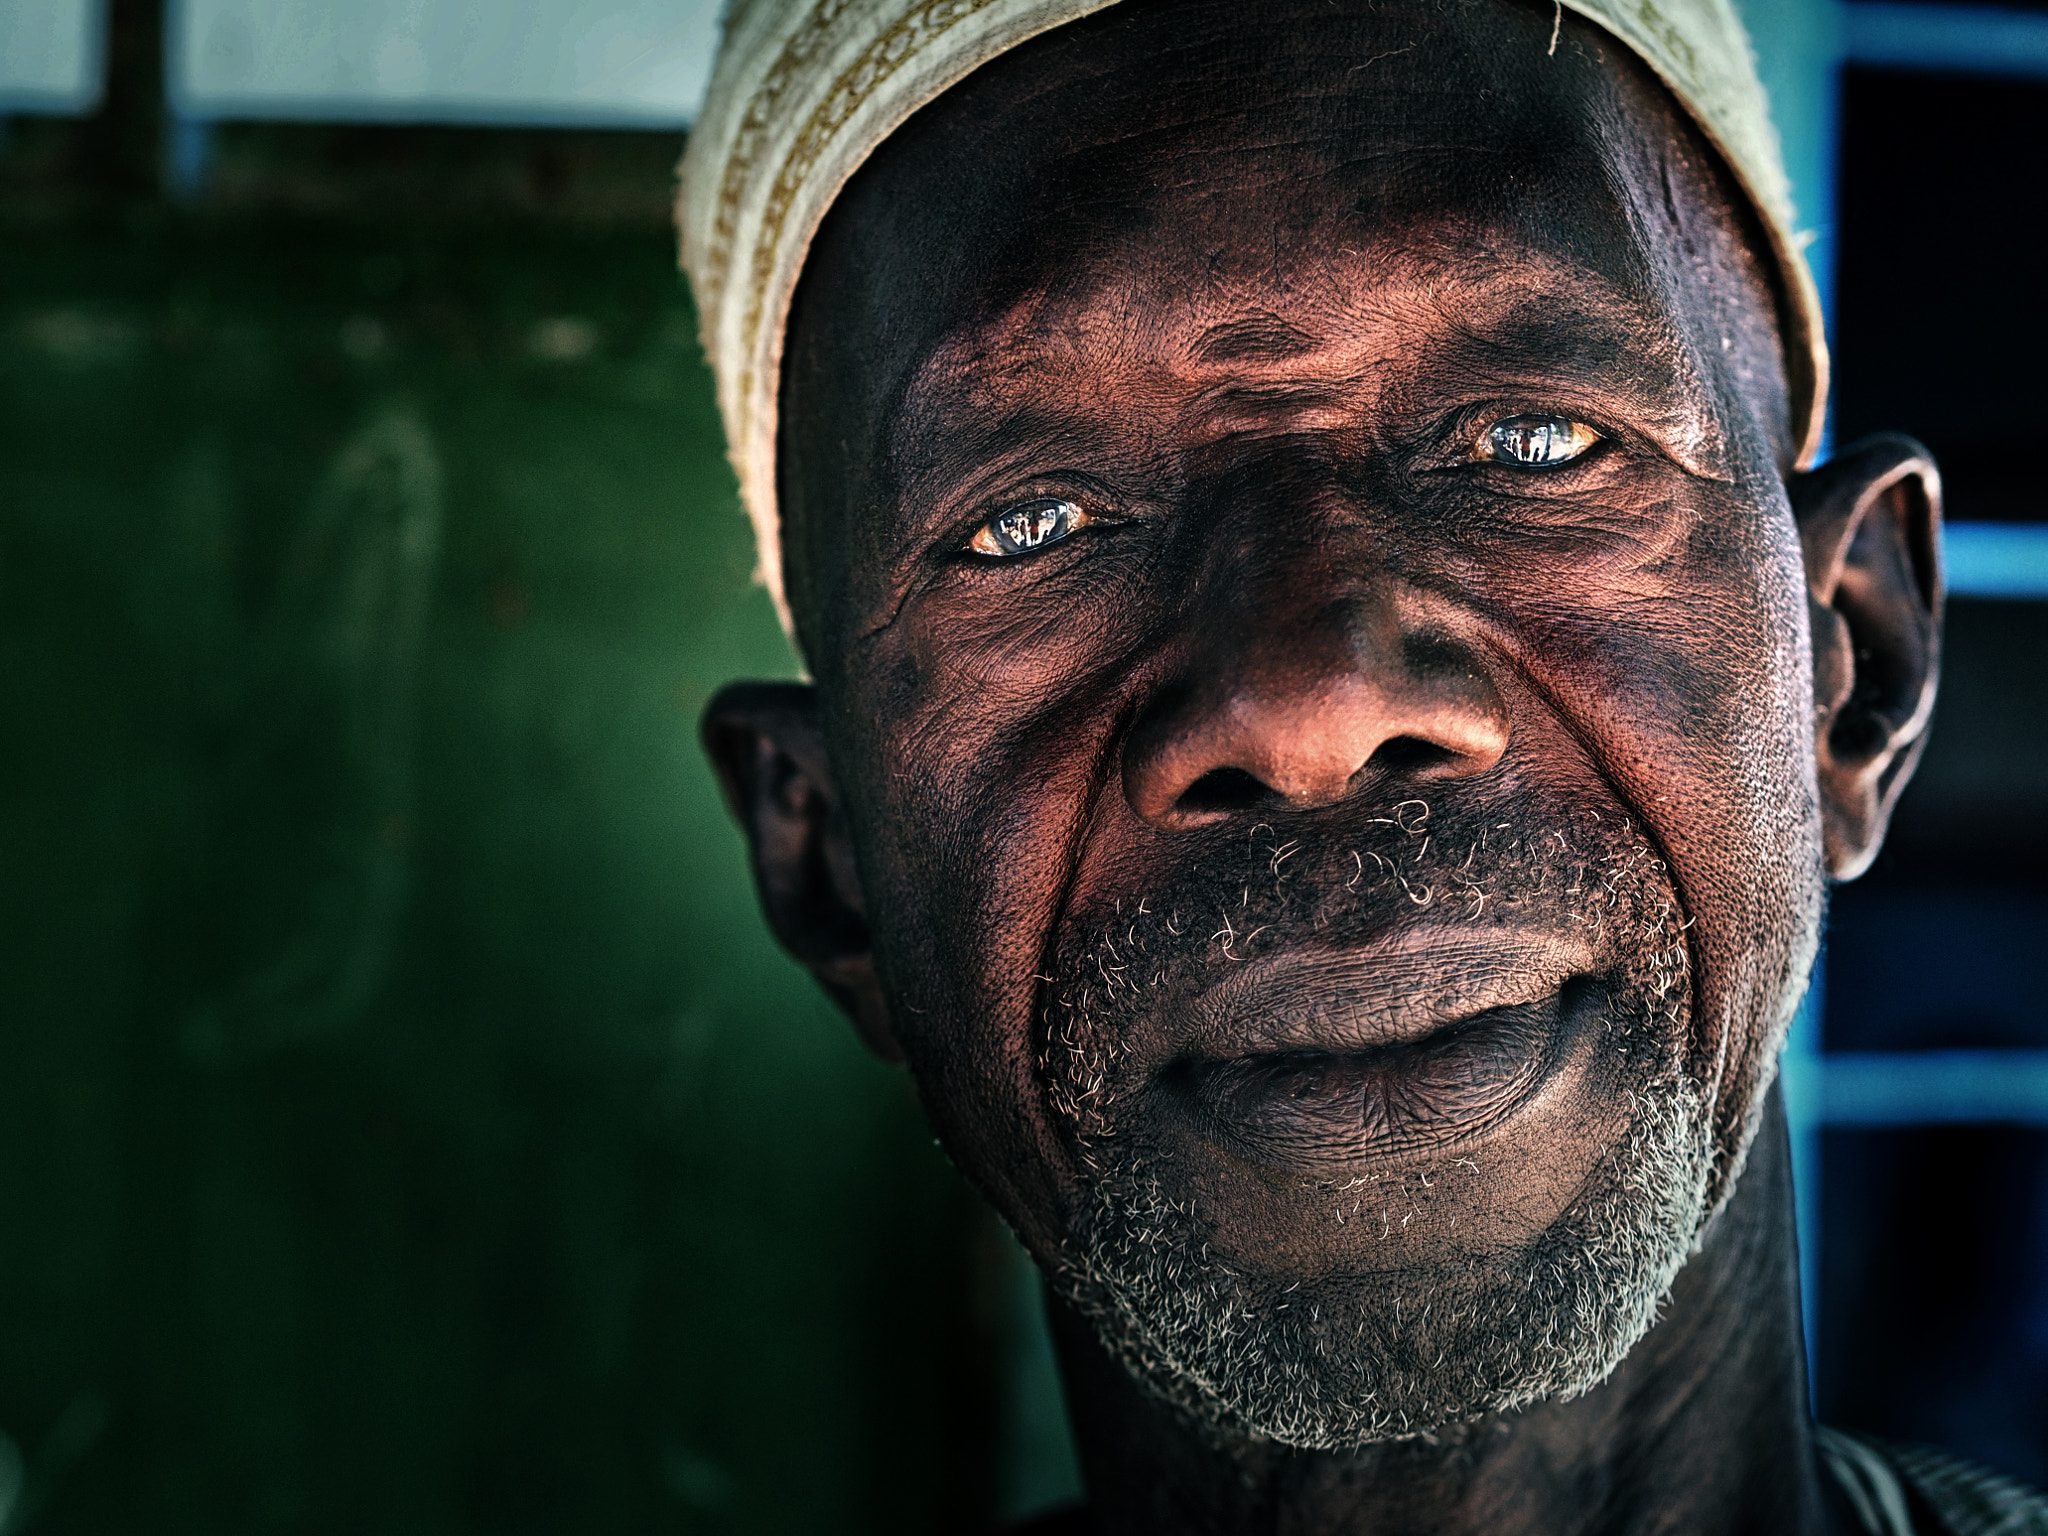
{"x": 1392, "y": 991}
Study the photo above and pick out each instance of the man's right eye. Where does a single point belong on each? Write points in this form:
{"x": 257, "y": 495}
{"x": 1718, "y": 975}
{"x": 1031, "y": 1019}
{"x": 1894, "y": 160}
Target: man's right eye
{"x": 1030, "y": 525}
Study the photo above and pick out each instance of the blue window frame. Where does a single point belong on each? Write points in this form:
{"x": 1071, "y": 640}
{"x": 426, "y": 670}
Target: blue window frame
{"x": 1803, "y": 48}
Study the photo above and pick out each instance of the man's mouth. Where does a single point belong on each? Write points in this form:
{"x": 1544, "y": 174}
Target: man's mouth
{"x": 1324, "y": 1061}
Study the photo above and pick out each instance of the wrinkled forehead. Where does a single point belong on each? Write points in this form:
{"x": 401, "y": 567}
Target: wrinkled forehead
{"x": 1223, "y": 181}
{"x": 1228, "y": 331}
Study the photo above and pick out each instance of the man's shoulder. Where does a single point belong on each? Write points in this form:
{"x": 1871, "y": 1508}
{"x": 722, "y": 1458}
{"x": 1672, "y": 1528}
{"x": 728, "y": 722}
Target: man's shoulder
{"x": 1893, "y": 1490}
{"x": 1909, "y": 1490}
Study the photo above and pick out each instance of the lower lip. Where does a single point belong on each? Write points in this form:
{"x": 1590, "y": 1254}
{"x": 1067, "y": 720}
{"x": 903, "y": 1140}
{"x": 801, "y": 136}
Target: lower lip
{"x": 1317, "y": 1108}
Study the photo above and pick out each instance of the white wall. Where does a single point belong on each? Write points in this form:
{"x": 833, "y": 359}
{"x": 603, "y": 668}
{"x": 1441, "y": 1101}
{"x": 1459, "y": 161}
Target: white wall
{"x": 51, "y": 55}
{"x": 597, "y": 62}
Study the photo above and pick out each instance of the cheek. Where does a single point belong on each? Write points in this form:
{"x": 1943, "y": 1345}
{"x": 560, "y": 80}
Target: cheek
{"x": 973, "y": 792}
{"x": 1691, "y": 685}
{"x": 980, "y": 762}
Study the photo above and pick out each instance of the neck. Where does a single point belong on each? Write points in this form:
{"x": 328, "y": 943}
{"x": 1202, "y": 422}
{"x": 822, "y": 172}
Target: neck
{"x": 1703, "y": 1428}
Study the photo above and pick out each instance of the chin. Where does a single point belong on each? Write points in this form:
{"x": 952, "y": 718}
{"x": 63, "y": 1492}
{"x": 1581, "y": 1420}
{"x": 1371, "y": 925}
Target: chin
{"x": 1361, "y": 1160}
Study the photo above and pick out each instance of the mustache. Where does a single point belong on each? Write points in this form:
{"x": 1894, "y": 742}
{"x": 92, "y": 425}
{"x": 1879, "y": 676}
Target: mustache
{"x": 1420, "y": 907}
{"x": 1468, "y": 868}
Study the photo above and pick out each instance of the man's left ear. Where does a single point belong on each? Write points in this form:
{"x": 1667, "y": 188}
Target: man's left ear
{"x": 768, "y": 751}
{"x": 1870, "y": 529}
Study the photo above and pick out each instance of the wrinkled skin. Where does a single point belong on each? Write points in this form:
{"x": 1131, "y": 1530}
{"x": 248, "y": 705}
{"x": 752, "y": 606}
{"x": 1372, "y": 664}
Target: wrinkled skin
{"x": 1248, "y": 301}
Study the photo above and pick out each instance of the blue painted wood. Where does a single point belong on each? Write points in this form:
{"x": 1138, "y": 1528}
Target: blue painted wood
{"x": 1997, "y": 559}
{"x": 1879, "y": 1089}
{"x": 1954, "y": 39}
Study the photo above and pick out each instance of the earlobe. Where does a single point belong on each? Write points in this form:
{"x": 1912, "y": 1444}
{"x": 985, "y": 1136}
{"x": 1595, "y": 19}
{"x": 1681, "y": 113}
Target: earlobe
{"x": 766, "y": 747}
{"x": 1870, "y": 531}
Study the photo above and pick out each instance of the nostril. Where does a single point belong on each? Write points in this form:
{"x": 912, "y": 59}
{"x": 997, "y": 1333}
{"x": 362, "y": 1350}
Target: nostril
{"x": 1408, "y": 754}
{"x": 1222, "y": 790}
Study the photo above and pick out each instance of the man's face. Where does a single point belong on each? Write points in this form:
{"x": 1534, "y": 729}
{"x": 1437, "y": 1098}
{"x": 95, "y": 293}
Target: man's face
{"x": 1289, "y": 520}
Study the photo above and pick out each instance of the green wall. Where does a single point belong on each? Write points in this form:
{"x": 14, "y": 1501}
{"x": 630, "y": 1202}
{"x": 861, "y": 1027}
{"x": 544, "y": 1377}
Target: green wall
{"x": 405, "y": 1122}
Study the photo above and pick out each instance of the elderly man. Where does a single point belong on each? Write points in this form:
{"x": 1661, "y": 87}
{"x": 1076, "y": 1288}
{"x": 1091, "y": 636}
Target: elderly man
{"x": 1337, "y": 698}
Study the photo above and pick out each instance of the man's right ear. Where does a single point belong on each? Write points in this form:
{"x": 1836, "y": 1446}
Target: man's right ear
{"x": 769, "y": 754}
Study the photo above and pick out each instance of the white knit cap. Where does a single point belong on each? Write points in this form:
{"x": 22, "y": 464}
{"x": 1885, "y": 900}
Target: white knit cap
{"x": 804, "y": 90}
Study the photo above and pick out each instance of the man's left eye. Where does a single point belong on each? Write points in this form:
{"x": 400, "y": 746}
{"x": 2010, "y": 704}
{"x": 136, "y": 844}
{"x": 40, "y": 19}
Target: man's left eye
{"x": 1030, "y": 525}
{"x": 1535, "y": 442}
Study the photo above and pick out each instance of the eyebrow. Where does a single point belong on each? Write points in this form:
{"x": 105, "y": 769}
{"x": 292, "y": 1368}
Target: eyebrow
{"x": 1560, "y": 338}
{"x": 1260, "y": 338}
{"x": 1628, "y": 352}
{"x": 1562, "y": 328}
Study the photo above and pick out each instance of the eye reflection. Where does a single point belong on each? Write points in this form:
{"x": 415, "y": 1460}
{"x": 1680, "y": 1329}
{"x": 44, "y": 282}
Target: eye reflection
{"x": 1536, "y": 442}
{"x": 1031, "y": 525}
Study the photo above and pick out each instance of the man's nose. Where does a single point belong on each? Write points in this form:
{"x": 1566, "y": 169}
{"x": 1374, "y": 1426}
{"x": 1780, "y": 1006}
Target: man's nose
{"x": 1300, "y": 698}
